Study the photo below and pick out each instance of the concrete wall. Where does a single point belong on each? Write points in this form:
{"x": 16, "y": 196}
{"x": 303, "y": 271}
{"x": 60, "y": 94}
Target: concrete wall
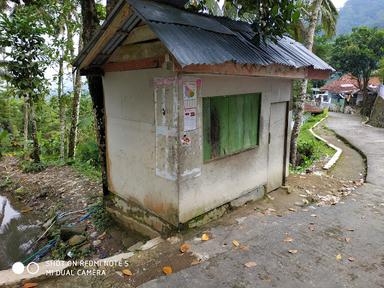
{"x": 130, "y": 132}
{"x": 204, "y": 186}
{"x": 199, "y": 187}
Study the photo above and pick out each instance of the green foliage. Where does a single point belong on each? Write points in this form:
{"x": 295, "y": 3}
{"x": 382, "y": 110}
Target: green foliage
{"x": 32, "y": 167}
{"x": 100, "y": 217}
{"x": 359, "y": 53}
{"x": 23, "y": 33}
{"x": 356, "y": 13}
{"x": 308, "y": 147}
{"x": 4, "y": 142}
{"x": 269, "y": 18}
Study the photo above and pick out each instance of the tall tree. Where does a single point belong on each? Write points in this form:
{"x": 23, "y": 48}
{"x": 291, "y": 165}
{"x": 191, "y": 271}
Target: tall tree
{"x": 75, "y": 109}
{"x": 359, "y": 53}
{"x": 23, "y": 33}
{"x": 91, "y": 22}
{"x": 314, "y": 12}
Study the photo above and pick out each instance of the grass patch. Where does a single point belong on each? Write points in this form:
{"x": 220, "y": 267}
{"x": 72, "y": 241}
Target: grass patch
{"x": 86, "y": 169}
{"x": 309, "y": 148}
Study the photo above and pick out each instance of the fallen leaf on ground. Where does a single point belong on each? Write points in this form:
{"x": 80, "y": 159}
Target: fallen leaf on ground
{"x": 244, "y": 247}
{"x": 102, "y": 236}
{"x": 288, "y": 239}
{"x": 30, "y": 285}
{"x": 127, "y": 272}
{"x": 292, "y": 251}
{"x": 184, "y": 247}
{"x": 235, "y": 243}
{"x": 26, "y": 210}
{"x": 313, "y": 215}
{"x": 195, "y": 262}
{"x": 351, "y": 259}
{"x": 167, "y": 270}
{"x": 347, "y": 239}
{"x": 292, "y": 209}
{"x": 350, "y": 229}
{"x": 338, "y": 257}
{"x": 250, "y": 264}
{"x": 205, "y": 237}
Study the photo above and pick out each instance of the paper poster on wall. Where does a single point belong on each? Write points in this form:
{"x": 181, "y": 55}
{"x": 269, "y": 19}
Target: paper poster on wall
{"x": 190, "y": 119}
{"x": 190, "y": 94}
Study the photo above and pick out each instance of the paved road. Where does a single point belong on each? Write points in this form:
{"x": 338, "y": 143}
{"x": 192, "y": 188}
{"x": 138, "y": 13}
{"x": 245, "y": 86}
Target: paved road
{"x": 354, "y": 228}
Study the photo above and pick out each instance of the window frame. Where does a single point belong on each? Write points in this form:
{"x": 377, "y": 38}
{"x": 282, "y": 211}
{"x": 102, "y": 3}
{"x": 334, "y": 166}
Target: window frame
{"x": 207, "y": 133}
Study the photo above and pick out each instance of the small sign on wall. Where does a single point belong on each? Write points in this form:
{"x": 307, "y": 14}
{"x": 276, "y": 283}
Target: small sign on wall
{"x": 190, "y": 119}
{"x": 190, "y": 90}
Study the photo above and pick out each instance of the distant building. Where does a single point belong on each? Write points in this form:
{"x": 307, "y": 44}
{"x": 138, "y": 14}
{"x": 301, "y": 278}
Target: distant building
{"x": 346, "y": 90}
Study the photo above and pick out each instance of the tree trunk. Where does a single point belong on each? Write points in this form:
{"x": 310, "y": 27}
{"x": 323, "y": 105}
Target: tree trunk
{"x": 26, "y": 123}
{"x": 299, "y": 112}
{"x": 366, "y": 107}
{"x": 95, "y": 84}
{"x": 61, "y": 108}
{"x": 298, "y": 106}
{"x": 36, "y": 147}
{"x": 75, "y": 112}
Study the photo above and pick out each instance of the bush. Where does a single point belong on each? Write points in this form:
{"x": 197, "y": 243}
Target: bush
{"x": 32, "y": 167}
{"x": 310, "y": 149}
{"x": 88, "y": 152}
{"x": 5, "y": 142}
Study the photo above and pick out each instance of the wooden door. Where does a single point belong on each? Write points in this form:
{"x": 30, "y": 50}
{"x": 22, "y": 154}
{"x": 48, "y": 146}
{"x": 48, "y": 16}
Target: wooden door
{"x": 277, "y": 145}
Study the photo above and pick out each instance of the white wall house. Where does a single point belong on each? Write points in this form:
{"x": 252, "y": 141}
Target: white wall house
{"x": 196, "y": 116}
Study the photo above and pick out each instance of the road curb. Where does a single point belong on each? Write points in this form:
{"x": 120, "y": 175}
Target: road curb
{"x": 335, "y": 156}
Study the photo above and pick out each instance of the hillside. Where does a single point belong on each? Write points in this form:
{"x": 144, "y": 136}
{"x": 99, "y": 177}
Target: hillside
{"x": 360, "y": 13}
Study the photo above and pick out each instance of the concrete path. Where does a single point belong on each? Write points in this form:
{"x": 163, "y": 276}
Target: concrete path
{"x": 343, "y": 246}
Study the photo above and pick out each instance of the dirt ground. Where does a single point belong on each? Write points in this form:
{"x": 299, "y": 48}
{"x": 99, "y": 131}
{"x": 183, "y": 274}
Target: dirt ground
{"x": 60, "y": 189}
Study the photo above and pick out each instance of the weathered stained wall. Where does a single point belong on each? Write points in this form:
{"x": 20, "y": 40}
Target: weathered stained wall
{"x": 131, "y": 137}
{"x": 377, "y": 115}
{"x": 198, "y": 187}
{"x": 204, "y": 186}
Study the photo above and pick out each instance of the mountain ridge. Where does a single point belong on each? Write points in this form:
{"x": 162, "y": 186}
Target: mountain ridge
{"x": 360, "y": 13}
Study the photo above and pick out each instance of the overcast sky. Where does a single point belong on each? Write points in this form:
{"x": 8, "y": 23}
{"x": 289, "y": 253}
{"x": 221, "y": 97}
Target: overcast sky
{"x": 339, "y": 3}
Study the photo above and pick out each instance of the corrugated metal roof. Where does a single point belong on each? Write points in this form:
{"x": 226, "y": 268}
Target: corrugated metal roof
{"x": 195, "y": 38}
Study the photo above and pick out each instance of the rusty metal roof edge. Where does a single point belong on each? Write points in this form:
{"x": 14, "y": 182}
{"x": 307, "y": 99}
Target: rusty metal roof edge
{"x": 79, "y": 59}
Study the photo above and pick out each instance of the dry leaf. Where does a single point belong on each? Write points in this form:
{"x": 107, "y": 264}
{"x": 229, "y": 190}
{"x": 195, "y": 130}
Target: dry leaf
{"x": 195, "y": 262}
{"x": 127, "y": 272}
{"x": 26, "y": 210}
{"x": 347, "y": 239}
{"x": 313, "y": 215}
{"x": 351, "y": 259}
{"x": 338, "y": 257}
{"x": 30, "y": 285}
{"x": 350, "y": 229}
{"x": 250, "y": 264}
{"x": 292, "y": 209}
{"x": 205, "y": 237}
{"x": 293, "y": 251}
{"x": 288, "y": 239}
{"x": 184, "y": 247}
{"x": 235, "y": 243}
{"x": 167, "y": 270}
{"x": 244, "y": 247}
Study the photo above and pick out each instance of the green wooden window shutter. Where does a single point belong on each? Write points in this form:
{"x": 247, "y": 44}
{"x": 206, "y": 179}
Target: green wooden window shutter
{"x": 230, "y": 124}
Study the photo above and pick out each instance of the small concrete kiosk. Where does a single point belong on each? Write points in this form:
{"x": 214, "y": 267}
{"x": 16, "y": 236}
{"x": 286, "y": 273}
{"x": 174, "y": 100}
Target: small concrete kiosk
{"x": 197, "y": 116}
